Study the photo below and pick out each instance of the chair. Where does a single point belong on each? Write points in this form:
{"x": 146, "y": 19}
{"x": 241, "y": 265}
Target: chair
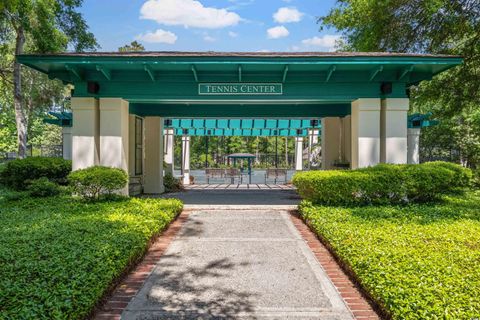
{"x": 232, "y": 173}
{"x": 214, "y": 173}
{"x": 276, "y": 174}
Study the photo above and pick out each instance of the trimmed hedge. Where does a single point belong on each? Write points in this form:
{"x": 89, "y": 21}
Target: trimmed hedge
{"x": 92, "y": 182}
{"x": 59, "y": 256}
{"x": 17, "y": 174}
{"x": 382, "y": 184}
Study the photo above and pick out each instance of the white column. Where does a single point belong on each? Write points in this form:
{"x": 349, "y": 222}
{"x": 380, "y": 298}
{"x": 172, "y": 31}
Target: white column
{"x": 365, "y": 132}
{"x": 186, "y": 159}
{"x": 153, "y": 155}
{"x": 413, "y": 143}
{"x": 346, "y": 139}
{"x": 331, "y": 141}
{"x": 169, "y": 149}
{"x": 298, "y": 153}
{"x": 393, "y": 130}
{"x": 67, "y": 143}
{"x": 85, "y": 132}
{"x": 114, "y": 147}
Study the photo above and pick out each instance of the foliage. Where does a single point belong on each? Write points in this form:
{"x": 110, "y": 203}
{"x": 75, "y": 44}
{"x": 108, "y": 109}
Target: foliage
{"x": 134, "y": 46}
{"x": 417, "y": 261}
{"x": 95, "y": 181}
{"x": 60, "y": 255}
{"x": 382, "y": 184}
{"x": 429, "y": 26}
{"x": 171, "y": 183}
{"x": 17, "y": 173}
{"x": 43, "y": 187}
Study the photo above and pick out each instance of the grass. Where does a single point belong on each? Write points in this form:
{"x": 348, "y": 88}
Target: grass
{"x": 417, "y": 262}
{"x": 59, "y": 256}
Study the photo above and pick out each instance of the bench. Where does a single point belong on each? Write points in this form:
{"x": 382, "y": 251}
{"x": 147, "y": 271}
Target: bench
{"x": 232, "y": 174}
{"x": 276, "y": 174}
{"x": 213, "y": 173}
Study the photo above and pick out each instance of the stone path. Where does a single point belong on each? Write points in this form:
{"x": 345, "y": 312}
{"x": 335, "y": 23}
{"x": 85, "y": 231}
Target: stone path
{"x": 249, "y": 264}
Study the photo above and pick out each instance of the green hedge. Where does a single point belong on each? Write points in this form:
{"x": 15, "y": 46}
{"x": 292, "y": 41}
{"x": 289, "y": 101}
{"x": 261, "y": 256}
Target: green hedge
{"x": 382, "y": 184}
{"x": 17, "y": 174}
{"x": 94, "y": 181}
{"x": 59, "y": 256}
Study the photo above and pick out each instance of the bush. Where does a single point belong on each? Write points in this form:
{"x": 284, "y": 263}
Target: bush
{"x": 171, "y": 183}
{"x": 43, "y": 188}
{"x": 17, "y": 173}
{"x": 95, "y": 181}
{"x": 382, "y": 184}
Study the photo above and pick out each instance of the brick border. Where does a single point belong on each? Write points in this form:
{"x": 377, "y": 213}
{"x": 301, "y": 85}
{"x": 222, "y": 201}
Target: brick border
{"x": 129, "y": 286}
{"x": 351, "y": 293}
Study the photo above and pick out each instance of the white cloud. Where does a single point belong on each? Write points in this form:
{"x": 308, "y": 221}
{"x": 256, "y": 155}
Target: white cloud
{"x": 326, "y": 42}
{"x": 264, "y": 50}
{"x": 159, "y": 36}
{"x": 285, "y": 15}
{"x": 232, "y": 34}
{"x": 277, "y": 32}
{"x": 209, "y": 38}
{"x": 187, "y": 13}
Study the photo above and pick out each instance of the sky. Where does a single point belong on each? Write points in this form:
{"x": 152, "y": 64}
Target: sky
{"x": 210, "y": 25}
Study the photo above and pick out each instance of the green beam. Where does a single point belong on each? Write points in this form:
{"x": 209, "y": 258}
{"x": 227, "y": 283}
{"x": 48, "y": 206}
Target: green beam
{"x": 106, "y": 73}
{"x": 374, "y": 73}
{"x": 331, "y": 70}
{"x": 149, "y": 71}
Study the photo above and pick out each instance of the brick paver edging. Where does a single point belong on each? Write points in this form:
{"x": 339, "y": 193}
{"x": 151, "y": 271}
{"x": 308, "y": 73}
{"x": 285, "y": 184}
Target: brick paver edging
{"x": 354, "y": 297}
{"x": 131, "y": 284}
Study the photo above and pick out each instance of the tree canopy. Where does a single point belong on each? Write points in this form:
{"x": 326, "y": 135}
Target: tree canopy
{"x": 425, "y": 26}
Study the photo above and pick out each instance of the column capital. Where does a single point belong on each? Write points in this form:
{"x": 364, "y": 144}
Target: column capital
{"x": 367, "y": 104}
{"x": 81, "y": 103}
{"x": 396, "y": 104}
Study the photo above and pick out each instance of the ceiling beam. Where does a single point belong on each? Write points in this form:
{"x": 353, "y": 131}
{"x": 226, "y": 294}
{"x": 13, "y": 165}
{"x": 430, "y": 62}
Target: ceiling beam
{"x": 330, "y": 71}
{"x": 285, "y": 71}
{"x": 405, "y": 71}
{"x": 374, "y": 73}
{"x": 75, "y": 71}
{"x": 106, "y": 72}
{"x": 195, "y": 75}
{"x": 149, "y": 71}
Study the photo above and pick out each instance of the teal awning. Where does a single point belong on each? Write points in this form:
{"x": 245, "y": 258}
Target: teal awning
{"x": 62, "y": 119}
{"x": 418, "y": 120}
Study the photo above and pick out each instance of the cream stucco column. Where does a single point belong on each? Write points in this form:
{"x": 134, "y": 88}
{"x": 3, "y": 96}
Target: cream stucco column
{"x": 114, "y": 135}
{"x": 298, "y": 153}
{"x": 413, "y": 145}
{"x": 393, "y": 130}
{"x": 169, "y": 149}
{"x": 331, "y": 141}
{"x": 85, "y": 133}
{"x": 365, "y": 133}
{"x": 346, "y": 139}
{"x": 186, "y": 159}
{"x": 67, "y": 143}
{"x": 153, "y": 155}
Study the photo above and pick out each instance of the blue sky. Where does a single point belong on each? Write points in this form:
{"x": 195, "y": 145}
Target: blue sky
{"x": 202, "y": 25}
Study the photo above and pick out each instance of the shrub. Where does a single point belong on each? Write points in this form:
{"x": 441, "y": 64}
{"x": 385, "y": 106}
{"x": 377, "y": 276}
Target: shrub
{"x": 382, "y": 184}
{"x": 171, "y": 183}
{"x": 95, "y": 181}
{"x": 476, "y": 178}
{"x": 17, "y": 173}
{"x": 43, "y": 188}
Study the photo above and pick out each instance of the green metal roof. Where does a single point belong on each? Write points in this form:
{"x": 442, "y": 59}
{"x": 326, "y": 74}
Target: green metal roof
{"x": 309, "y": 84}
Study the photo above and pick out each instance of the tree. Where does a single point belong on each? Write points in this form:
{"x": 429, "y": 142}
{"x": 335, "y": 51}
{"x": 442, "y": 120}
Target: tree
{"x": 425, "y": 26}
{"x": 132, "y": 47}
{"x": 40, "y": 26}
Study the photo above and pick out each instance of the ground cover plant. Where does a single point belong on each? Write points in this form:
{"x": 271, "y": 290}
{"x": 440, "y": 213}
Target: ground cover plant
{"x": 59, "y": 255}
{"x": 418, "y": 261}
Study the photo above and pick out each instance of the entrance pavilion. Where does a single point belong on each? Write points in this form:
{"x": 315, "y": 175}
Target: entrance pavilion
{"x": 120, "y": 100}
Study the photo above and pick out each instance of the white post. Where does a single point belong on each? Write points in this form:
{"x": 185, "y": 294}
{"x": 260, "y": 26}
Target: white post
{"x": 85, "y": 133}
{"x": 114, "y": 146}
{"x": 393, "y": 130}
{"x": 67, "y": 143}
{"x": 186, "y": 159}
{"x": 365, "y": 133}
{"x": 413, "y": 143}
{"x": 169, "y": 149}
{"x": 153, "y": 155}
{"x": 331, "y": 141}
{"x": 298, "y": 153}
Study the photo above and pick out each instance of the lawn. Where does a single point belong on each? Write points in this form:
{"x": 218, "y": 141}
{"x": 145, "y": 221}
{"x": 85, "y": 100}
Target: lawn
{"x": 58, "y": 256}
{"x": 417, "y": 261}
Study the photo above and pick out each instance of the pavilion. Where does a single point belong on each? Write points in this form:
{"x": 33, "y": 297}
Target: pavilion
{"x": 120, "y": 101}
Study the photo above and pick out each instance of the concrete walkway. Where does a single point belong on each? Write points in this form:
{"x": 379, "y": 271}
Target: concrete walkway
{"x": 249, "y": 264}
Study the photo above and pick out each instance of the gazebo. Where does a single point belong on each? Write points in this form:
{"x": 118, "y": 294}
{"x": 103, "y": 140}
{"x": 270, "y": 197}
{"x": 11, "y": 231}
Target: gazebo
{"x": 247, "y": 156}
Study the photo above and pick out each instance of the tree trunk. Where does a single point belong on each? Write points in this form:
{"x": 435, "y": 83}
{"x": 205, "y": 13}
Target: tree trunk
{"x": 20, "y": 115}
